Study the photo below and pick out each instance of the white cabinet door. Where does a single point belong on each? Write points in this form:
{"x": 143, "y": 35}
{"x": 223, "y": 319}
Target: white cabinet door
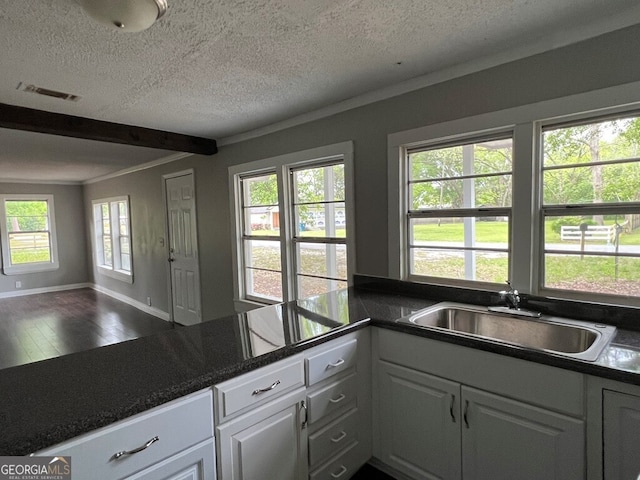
{"x": 506, "y": 439}
{"x": 621, "y": 424}
{"x": 195, "y": 463}
{"x": 419, "y": 423}
{"x": 265, "y": 444}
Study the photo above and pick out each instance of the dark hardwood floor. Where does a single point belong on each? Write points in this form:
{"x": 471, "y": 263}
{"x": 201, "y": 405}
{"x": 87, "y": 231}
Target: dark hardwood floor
{"x": 42, "y": 326}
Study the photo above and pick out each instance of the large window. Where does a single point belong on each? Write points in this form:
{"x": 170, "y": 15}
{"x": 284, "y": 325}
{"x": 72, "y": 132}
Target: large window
{"x": 539, "y": 195}
{"x": 292, "y": 217}
{"x": 112, "y": 237}
{"x": 458, "y": 210}
{"x": 591, "y": 206}
{"x": 28, "y": 233}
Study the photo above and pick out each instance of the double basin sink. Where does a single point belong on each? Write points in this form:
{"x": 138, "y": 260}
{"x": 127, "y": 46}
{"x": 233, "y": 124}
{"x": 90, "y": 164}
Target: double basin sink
{"x": 571, "y": 338}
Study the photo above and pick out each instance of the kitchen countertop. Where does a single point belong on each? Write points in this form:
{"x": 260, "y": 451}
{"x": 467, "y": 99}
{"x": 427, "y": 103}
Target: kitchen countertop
{"x": 47, "y": 402}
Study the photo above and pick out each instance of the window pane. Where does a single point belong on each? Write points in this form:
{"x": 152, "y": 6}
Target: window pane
{"x": 262, "y": 221}
{"x": 125, "y": 262}
{"x": 598, "y": 233}
{"x": 27, "y": 216}
{"x": 487, "y": 232}
{"x": 262, "y": 254}
{"x": 262, "y": 283}
{"x": 618, "y": 182}
{"x": 319, "y": 184}
{"x": 322, "y": 259}
{"x": 466, "y": 193}
{"x": 125, "y": 247}
{"x": 30, "y": 247}
{"x": 308, "y": 286}
{"x": 261, "y": 190}
{"x": 460, "y": 264}
{"x": 106, "y": 227}
{"x": 473, "y": 159}
{"x": 575, "y": 149}
{"x": 321, "y": 220}
{"x": 107, "y": 251}
{"x": 593, "y": 273}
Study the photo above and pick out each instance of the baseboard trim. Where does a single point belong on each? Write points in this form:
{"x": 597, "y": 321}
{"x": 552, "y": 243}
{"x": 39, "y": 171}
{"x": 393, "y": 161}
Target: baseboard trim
{"x": 156, "y": 312}
{"x": 35, "y": 291}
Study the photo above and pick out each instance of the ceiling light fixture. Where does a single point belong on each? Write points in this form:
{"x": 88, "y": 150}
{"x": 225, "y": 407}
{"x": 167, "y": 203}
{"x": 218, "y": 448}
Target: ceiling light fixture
{"x": 125, "y": 15}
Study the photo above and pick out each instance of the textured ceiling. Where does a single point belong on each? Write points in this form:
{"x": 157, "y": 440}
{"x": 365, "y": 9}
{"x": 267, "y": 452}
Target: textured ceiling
{"x": 220, "y": 68}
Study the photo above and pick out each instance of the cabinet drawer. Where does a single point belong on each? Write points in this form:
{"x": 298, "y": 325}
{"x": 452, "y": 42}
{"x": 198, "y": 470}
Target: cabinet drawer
{"x": 333, "y": 438}
{"x": 330, "y": 362}
{"x": 342, "y": 467}
{"x": 332, "y": 398}
{"x": 255, "y": 388}
{"x": 177, "y": 425}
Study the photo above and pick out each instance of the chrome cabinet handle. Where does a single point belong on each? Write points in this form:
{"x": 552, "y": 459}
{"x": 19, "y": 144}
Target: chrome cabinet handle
{"x": 342, "y": 471}
{"x": 339, "y": 437}
{"x": 453, "y": 401}
{"x": 337, "y": 400}
{"x": 260, "y": 391}
{"x": 135, "y": 450}
{"x": 303, "y": 406}
{"x": 335, "y": 364}
{"x": 466, "y": 411}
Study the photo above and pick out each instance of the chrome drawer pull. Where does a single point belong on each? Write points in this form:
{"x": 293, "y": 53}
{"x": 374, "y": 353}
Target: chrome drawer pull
{"x": 339, "y": 437}
{"x": 263, "y": 390}
{"x": 136, "y": 450}
{"x": 337, "y": 363}
{"x": 337, "y": 400}
{"x": 342, "y": 471}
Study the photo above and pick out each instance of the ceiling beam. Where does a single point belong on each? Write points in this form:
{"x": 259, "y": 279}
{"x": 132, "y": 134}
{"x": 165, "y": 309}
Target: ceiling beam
{"x": 20, "y": 118}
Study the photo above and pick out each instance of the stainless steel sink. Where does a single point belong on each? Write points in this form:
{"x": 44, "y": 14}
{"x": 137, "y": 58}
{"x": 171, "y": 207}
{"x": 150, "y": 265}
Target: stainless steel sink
{"x": 572, "y": 338}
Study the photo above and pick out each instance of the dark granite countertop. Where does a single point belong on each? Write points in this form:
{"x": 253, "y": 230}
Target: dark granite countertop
{"x": 47, "y": 402}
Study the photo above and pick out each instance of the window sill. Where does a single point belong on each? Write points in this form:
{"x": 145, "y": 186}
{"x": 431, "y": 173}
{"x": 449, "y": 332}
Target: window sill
{"x": 116, "y": 274}
{"x": 33, "y": 268}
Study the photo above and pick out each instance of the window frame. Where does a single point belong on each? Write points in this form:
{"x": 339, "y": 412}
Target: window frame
{"x": 282, "y": 166}
{"x": 115, "y": 270}
{"x": 464, "y": 212}
{"x": 7, "y": 267}
{"x": 527, "y": 235}
{"x": 580, "y": 209}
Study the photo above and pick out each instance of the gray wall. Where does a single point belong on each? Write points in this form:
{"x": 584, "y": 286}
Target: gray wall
{"x": 594, "y": 64}
{"x": 72, "y": 249}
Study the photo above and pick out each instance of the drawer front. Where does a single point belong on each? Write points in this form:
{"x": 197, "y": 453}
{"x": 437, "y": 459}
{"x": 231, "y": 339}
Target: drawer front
{"x": 177, "y": 425}
{"x": 255, "y": 388}
{"x": 330, "y": 362}
{"x": 342, "y": 467}
{"x": 333, "y": 438}
{"x": 332, "y": 398}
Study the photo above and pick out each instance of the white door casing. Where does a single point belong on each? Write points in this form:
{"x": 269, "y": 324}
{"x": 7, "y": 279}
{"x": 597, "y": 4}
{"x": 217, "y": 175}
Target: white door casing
{"x": 183, "y": 248}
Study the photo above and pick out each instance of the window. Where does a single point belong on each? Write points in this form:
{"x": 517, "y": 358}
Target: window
{"x": 537, "y": 194}
{"x": 292, "y": 217}
{"x": 112, "y": 237}
{"x": 458, "y": 210}
{"x": 28, "y": 237}
{"x": 591, "y": 206}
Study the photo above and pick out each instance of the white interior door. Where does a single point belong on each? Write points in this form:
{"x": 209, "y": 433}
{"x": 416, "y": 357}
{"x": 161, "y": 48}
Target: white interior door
{"x": 183, "y": 249}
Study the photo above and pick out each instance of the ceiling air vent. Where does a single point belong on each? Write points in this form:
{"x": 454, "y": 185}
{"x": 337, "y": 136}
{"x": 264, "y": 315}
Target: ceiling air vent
{"x": 25, "y": 87}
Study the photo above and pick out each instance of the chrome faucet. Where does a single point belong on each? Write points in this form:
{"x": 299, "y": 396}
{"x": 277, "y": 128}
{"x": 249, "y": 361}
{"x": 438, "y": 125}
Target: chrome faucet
{"x": 511, "y": 297}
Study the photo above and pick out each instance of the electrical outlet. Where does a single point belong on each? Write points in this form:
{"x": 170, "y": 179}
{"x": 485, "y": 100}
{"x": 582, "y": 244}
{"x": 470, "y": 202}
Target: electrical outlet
{"x": 149, "y": 301}
{"x": 18, "y": 284}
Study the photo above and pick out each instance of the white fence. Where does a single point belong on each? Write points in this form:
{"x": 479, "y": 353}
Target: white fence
{"x": 593, "y": 233}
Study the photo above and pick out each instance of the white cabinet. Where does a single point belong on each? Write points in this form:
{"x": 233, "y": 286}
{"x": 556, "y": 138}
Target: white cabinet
{"x": 174, "y": 441}
{"x": 267, "y": 443}
{"x": 305, "y": 416}
{"x": 432, "y": 427}
{"x": 419, "y": 422}
{"x": 621, "y": 435}
{"x": 507, "y": 439}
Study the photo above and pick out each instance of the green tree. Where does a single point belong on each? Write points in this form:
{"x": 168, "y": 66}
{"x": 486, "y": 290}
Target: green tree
{"x": 25, "y": 216}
